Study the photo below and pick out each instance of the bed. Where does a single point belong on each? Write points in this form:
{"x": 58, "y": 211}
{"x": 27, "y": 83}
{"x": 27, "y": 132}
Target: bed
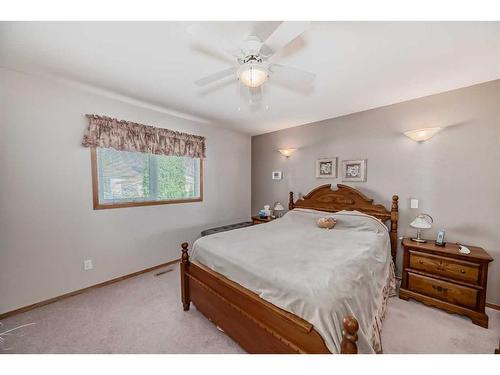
{"x": 290, "y": 287}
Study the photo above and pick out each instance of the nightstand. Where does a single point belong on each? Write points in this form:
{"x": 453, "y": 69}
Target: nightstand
{"x": 444, "y": 278}
{"x": 259, "y": 220}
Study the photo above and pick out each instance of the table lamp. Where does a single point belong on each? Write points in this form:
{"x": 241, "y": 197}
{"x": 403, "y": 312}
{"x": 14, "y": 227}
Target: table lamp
{"x": 278, "y": 209}
{"x": 422, "y": 221}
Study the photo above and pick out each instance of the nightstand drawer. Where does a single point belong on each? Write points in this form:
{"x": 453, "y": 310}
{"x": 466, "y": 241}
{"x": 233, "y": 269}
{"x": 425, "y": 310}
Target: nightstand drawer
{"x": 455, "y": 269}
{"x": 456, "y": 294}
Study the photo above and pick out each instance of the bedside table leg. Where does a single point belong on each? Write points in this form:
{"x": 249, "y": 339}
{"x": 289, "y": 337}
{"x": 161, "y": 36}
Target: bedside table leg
{"x": 403, "y": 295}
{"x": 481, "y": 321}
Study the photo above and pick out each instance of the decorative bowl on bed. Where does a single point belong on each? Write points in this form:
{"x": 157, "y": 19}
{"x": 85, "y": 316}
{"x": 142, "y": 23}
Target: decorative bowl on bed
{"x": 326, "y": 222}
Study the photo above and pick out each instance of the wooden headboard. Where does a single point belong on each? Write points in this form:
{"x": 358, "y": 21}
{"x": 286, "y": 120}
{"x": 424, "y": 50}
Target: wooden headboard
{"x": 323, "y": 198}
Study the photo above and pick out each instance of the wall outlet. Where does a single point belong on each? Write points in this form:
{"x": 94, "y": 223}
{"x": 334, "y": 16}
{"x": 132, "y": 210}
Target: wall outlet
{"x": 87, "y": 264}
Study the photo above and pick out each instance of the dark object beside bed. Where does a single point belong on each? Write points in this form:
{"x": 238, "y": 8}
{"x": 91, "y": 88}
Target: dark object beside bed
{"x": 225, "y": 228}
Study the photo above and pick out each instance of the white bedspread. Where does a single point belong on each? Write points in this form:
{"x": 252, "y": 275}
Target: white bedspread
{"x": 318, "y": 274}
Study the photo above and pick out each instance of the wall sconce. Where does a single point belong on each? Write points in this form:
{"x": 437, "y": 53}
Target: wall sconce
{"x": 421, "y": 135}
{"x": 286, "y": 152}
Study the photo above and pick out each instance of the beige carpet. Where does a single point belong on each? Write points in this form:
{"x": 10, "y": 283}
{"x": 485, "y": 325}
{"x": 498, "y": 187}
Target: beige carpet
{"x": 144, "y": 315}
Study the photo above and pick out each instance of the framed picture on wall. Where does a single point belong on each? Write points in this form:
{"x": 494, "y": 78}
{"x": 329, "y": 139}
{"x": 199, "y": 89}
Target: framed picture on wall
{"x": 326, "y": 168}
{"x": 354, "y": 170}
{"x": 277, "y": 175}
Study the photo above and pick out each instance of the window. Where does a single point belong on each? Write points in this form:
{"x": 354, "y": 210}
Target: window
{"x": 125, "y": 179}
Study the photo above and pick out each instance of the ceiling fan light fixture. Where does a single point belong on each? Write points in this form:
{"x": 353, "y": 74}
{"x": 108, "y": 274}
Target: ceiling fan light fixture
{"x": 252, "y": 75}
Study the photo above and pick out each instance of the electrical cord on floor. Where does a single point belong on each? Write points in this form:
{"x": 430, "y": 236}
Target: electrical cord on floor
{"x": 8, "y": 333}
{"x": 163, "y": 272}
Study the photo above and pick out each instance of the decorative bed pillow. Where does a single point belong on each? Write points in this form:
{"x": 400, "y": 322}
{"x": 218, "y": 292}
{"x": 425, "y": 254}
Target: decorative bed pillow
{"x": 326, "y": 222}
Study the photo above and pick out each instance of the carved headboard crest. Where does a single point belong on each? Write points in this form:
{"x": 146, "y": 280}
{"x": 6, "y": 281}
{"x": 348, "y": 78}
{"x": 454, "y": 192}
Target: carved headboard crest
{"x": 323, "y": 198}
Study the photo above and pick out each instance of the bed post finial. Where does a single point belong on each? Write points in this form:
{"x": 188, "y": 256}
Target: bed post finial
{"x": 290, "y": 201}
{"x": 185, "y": 255}
{"x": 186, "y": 299}
{"x": 395, "y": 200}
{"x": 349, "y": 335}
{"x": 394, "y": 227}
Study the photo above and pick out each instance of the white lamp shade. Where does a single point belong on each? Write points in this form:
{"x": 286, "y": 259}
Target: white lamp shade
{"x": 287, "y": 151}
{"x": 252, "y": 75}
{"x": 421, "y": 222}
{"x": 421, "y": 135}
{"x": 278, "y": 207}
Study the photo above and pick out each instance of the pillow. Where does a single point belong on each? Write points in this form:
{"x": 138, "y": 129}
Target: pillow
{"x": 326, "y": 222}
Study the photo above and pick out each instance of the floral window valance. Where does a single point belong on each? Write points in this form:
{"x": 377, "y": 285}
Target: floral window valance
{"x": 123, "y": 135}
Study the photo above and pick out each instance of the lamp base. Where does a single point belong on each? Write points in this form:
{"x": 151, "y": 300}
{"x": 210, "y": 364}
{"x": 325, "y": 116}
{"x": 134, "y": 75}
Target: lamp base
{"x": 420, "y": 240}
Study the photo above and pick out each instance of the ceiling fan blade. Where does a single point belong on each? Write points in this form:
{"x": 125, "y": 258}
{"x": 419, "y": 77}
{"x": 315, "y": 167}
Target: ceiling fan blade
{"x": 213, "y": 53}
{"x": 209, "y": 44}
{"x": 288, "y": 74}
{"x": 282, "y": 35}
{"x": 263, "y": 29}
{"x": 217, "y": 76}
{"x": 220, "y": 85}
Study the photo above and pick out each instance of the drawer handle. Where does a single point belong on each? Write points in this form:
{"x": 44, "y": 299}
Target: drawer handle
{"x": 440, "y": 268}
{"x": 462, "y": 271}
{"x": 421, "y": 262}
{"x": 440, "y": 288}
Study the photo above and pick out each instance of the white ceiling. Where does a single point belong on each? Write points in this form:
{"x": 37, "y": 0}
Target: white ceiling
{"x": 359, "y": 65}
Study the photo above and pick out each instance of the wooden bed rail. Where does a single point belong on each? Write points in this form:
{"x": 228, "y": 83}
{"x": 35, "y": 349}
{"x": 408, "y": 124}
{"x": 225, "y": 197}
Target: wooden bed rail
{"x": 186, "y": 300}
{"x": 291, "y": 334}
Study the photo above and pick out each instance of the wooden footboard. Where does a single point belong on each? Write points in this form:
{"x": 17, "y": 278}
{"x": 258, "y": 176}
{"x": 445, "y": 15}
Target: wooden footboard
{"x": 257, "y": 325}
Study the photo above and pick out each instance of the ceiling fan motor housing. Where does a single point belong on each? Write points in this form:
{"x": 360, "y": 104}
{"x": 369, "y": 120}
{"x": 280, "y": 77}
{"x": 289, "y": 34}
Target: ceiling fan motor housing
{"x": 252, "y": 46}
{"x": 252, "y": 59}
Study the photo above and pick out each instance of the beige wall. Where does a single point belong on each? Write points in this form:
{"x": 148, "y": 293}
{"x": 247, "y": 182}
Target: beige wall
{"x": 47, "y": 224}
{"x": 455, "y": 175}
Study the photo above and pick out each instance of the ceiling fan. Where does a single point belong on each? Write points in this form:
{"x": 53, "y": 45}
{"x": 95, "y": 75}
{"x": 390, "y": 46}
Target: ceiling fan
{"x": 254, "y": 61}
